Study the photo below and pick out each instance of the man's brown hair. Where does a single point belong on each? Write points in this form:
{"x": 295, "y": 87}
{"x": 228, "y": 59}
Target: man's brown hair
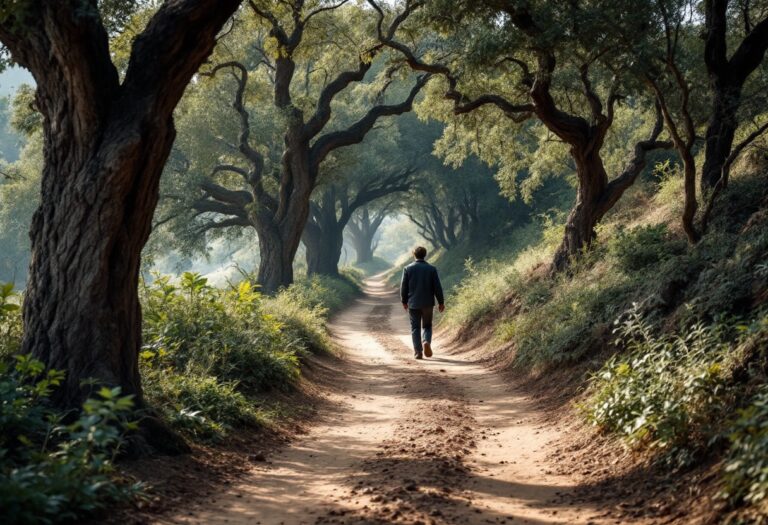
{"x": 419, "y": 252}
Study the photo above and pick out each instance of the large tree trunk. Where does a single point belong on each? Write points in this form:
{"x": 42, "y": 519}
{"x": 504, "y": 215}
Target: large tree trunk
{"x": 363, "y": 232}
{"x": 276, "y": 254}
{"x": 586, "y": 212}
{"x": 323, "y": 250}
{"x": 363, "y": 245}
{"x": 81, "y": 310}
{"x": 280, "y": 230}
{"x": 105, "y": 147}
{"x": 720, "y": 132}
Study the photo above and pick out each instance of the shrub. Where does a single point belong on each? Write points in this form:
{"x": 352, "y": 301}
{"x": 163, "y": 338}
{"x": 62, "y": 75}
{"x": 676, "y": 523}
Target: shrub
{"x": 667, "y": 390}
{"x": 746, "y": 471}
{"x": 563, "y": 320}
{"x": 481, "y": 291}
{"x": 324, "y": 294}
{"x": 50, "y": 471}
{"x": 304, "y": 307}
{"x": 671, "y": 183}
{"x": 208, "y": 352}
{"x": 643, "y": 247}
{"x": 194, "y": 328}
{"x": 200, "y": 406}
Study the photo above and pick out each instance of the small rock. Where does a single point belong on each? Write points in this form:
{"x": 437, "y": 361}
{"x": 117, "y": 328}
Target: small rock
{"x": 258, "y": 457}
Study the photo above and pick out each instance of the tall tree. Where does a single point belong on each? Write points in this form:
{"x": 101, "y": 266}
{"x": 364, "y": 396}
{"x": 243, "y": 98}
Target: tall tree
{"x": 106, "y": 142}
{"x": 728, "y": 75}
{"x": 551, "y": 48}
{"x": 333, "y": 210}
{"x": 363, "y": 228}
{"x": 268, "y": 184}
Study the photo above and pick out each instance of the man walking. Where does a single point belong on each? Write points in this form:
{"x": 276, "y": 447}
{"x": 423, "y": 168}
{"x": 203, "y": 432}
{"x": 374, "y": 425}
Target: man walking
{"x": 419, "y": 288}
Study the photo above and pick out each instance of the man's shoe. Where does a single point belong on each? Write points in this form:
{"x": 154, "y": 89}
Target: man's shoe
{"x": 418, "y": 356}
{"x": 427, "y": 348}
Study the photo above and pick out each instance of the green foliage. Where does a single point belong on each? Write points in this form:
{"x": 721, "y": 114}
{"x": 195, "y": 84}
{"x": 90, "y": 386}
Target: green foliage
{"x": 198, "y": 405}
{"x": 10, "y": 321}
{"x": 305, "y": 306}
{"x": 667, "y": 389}
{"x": 746, "y": 471}
{"x": 210, "y": 352}
{"x": 478, "y": 289}
{"x": 565, "y": 320}
{"x": 671, "y": 183}
{"x": 195, "y": 328}
{"x": 51, "y": 471}
{"x": 24, "y": 118}
{"x": 644, "y": 246}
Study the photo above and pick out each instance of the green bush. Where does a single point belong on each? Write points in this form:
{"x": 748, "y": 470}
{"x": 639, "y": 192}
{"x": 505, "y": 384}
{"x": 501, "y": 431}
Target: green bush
{"x": 481, "y": 291}
{"x": 303, "y": 308}
{"x": 746, "y": 471}
{"x": 562, "y": 321}
{"x": 53, "y": 472}
{"x": 667, "y": 390}
{"x": 210, "y": 352}
{"x": 194, "y": 328}
{"x": 643, "y": 247}
{"x": 324, "y": 294}
{"x": 200, "y": 406}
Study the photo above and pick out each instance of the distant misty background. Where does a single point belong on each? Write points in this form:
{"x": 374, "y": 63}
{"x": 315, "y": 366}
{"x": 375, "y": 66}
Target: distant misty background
{"x": 12, "y": 78}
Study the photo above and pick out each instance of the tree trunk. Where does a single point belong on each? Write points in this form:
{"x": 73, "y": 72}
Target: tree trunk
{"x": 280, "y": 229}
{"x": 323, "y": 250}
{"x": 276, "y": 259}
{"x": 720, "y": 132}
{"x": 105, "y": 147}
{"x": 81, "y": 310}
{"x": 363, "y": 245}
{"x": 362, "y": 232}
{"x": 586, "y": 213}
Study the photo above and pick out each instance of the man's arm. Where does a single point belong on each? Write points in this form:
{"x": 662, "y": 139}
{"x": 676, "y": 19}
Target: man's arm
{"x": 438, "y": 291}
{"x": 404, "y": 289}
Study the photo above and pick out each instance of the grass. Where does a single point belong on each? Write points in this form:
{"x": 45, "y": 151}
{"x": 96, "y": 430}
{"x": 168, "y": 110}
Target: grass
{"x": 210, "y": 353}
{"x": 677, "y": 333}
{"x": 210, "y": 360}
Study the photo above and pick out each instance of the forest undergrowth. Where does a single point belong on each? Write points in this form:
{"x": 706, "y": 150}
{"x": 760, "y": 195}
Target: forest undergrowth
{"x": 210, "y": 359}
{"x": 672, "y": 337}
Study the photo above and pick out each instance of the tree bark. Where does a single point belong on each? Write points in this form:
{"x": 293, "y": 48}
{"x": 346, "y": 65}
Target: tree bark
{"x": 727, "y": 77}
{"x": 362, "y": 233}
{"x": 586, "y": 212}
{"x": 105, "y": 147}
{"x": 720, "y": 132}
{"x": 323, "y": 249}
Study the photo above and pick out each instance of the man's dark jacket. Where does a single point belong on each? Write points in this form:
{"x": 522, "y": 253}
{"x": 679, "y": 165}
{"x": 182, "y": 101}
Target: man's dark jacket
{"x": 421, "y": 285}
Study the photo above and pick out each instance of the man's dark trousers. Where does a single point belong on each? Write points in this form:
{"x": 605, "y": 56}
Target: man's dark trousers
{"x": 421, "y": 319}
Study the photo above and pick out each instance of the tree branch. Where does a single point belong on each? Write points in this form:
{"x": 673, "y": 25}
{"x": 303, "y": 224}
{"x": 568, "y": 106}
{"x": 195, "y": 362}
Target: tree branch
{"x": 619, "y": 185}
{"x": 462, "y": 103}
{"x": 220, "y": 193}
{"x": 323, "y": 9}
{"x": 244, "y": 145}
{"x": 356, "y": 132}
{"x": 722, "y": 182}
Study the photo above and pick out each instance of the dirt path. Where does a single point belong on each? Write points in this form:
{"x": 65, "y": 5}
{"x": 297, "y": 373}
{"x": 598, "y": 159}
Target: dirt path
{"x": 439, "y": 441}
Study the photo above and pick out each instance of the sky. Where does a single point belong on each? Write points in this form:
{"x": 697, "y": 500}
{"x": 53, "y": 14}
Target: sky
{"x": 11, "y": 78}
